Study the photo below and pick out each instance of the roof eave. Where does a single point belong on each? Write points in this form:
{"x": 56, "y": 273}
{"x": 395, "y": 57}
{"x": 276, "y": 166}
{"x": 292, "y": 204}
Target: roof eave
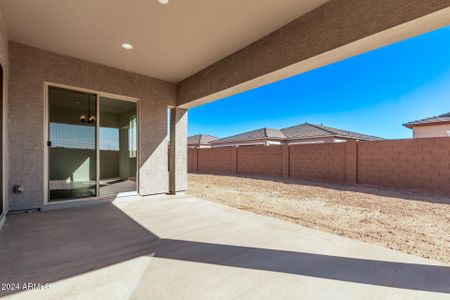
{"x": 252, "y": 140}
{"x": 421, "y": 124}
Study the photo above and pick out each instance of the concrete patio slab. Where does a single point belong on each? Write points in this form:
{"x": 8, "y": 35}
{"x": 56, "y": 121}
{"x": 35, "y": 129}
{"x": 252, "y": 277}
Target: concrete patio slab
{"x": 184, "y": 247}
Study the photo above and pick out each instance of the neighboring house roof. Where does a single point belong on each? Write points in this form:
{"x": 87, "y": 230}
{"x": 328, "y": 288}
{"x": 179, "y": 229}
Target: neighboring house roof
{"x": 436, "y": 119}
{"x": 200, "y": 139}
{"x": 298, "y": 132}
{"x": 258, "y": 134}
{"x": 306, "y": 131}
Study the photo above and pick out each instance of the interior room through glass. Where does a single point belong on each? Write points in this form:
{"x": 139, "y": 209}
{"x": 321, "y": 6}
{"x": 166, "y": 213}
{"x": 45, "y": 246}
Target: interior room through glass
{"x": 92, "y": 143}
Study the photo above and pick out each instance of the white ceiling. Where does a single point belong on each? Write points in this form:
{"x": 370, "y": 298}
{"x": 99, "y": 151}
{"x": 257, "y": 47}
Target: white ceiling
{"x": 171, "y": 42}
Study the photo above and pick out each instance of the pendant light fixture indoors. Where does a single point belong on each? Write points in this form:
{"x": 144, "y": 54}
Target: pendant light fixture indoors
{"x": 89, "y": 118}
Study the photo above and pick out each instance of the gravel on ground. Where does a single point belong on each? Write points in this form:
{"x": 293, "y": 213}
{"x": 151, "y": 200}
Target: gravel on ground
{"x": 411, "y": 221}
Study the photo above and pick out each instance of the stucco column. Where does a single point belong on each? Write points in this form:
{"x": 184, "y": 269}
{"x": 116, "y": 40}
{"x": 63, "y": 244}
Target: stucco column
{"x": 178, "y": 150}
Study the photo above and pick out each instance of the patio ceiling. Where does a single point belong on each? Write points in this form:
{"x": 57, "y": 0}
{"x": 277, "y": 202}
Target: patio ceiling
{"x": 171, "y": 42}
{"x": 214, "y": 48}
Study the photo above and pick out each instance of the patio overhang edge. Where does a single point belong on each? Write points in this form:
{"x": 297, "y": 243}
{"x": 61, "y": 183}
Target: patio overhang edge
{"x": 264, "y": 61}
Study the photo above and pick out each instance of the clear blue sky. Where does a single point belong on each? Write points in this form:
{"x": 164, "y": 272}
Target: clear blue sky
{"x": 373, "y": 93}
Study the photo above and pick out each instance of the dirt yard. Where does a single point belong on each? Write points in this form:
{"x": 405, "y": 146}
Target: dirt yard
{"x": 405, "y": 220}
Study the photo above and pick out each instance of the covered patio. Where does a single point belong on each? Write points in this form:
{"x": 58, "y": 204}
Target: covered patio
{"x": 185, "y": 247}
{"x": 88, "y": 86}
{"x": 71, "y": 64}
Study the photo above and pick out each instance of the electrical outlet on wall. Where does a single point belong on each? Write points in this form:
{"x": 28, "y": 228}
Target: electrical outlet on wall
{"x": 18, "y": 188}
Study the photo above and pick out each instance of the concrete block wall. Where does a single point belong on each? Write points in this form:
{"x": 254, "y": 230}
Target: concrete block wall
{"x": 216, "y": 160}
{"x": 192, "y": 160}
{"x": 351, "y": 162}
{"x": 413, "y": 163}
{"x": 318, "y": 161}
{"x": 260, "y": 160}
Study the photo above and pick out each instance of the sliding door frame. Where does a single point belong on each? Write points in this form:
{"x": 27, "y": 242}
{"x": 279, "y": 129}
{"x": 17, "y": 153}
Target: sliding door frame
{"x": 98, "y": 94}
{"x": 4, "y": 193}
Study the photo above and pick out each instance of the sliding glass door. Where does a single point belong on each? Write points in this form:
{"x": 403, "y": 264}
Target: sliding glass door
{"x": 92, "y": 145}
{"x": 118, "y": 151}
{"x": 72, "y": 144}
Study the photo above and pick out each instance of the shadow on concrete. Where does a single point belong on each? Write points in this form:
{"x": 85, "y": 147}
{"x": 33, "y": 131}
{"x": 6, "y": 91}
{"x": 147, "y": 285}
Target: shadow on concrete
{"x": 391, "y": 192}
{"x": 431, "y": 278}
{"x": 49, "y": 246}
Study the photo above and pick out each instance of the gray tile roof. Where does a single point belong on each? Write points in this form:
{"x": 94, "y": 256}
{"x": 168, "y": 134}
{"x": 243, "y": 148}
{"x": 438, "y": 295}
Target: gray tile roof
{"x": 302, "y": 131}
{"x": 200, "y": 139}
{"x": 258, "y": 134}
{"x": 435, "y": 119}
{"x": 306, "y": 131}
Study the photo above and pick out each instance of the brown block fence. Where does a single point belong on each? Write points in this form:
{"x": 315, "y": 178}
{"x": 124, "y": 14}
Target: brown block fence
{"x": 266, "y": 161}
{"x": 318, "y": 161}
{"x": 216, "y": 160}
{"x": 416, "y": 163}
{"x": 411, "y": 163}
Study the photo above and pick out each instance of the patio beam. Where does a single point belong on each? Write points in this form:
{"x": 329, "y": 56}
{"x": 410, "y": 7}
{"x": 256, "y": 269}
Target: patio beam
{"x": 178, "y": 150}
{"x": 334, "y": 31}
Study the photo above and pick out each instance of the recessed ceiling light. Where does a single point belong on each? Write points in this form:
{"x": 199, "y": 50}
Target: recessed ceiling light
{"x": 163, "y": 1}
{"x": 127, "y": 46}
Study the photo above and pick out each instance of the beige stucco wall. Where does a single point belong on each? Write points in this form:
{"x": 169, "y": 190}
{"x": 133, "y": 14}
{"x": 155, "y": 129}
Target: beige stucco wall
{"x": 322, "y": 140}
{"x": 30, "y": 68}
{"x": 431, "y": 131}
{"x": 178, "y": 150}
{"x": 260, "y": 142}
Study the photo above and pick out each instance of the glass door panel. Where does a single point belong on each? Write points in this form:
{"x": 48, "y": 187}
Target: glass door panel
{"x": 72, "y": 144}
{"x": 118, "y": 147}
